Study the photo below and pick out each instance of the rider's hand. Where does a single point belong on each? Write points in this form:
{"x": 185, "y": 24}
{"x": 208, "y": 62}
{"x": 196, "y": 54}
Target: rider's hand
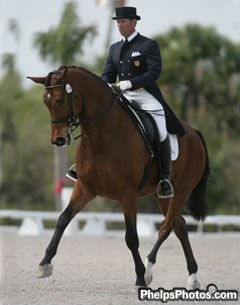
{"x": 124, "y": 85}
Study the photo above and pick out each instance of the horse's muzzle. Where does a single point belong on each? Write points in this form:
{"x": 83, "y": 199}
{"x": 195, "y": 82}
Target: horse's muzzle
{"x": 60, "y": 141}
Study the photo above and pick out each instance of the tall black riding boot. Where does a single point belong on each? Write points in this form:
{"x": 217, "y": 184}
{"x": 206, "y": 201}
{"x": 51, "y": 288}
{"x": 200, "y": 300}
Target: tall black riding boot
{"x": 165, "y": 188}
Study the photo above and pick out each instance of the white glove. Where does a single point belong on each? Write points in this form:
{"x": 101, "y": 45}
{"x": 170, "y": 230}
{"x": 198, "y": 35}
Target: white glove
{"x": 124, "y": 85}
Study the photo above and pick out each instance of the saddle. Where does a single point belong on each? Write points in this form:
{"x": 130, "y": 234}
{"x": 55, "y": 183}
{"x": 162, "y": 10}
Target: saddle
{"x": 147, "y": 128}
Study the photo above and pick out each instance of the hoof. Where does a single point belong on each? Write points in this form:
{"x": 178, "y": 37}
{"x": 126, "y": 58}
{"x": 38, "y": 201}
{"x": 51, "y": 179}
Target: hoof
{"x": 148, "y": 279}
{"x": 140, "y": 282}
{"x": 148, "y": 275}
{"x": 136, "y": 287}
{"x": 192, "y": 282}
{"x": 44, "y": 271}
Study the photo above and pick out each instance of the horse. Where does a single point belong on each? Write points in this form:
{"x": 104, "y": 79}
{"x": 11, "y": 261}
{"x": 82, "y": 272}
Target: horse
{"x": 110, "y": 161}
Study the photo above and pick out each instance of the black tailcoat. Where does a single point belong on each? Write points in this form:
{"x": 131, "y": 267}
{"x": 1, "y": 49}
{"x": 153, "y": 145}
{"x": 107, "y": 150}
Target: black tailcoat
{"x": 140, "y": 62}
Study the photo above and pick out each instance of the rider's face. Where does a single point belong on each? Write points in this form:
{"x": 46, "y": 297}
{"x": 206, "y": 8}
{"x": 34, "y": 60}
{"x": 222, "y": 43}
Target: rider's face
{"x": 126, "y": 26}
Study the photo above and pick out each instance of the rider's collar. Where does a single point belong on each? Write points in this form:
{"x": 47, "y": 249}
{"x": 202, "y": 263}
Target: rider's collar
{"x": 132, "y": 36}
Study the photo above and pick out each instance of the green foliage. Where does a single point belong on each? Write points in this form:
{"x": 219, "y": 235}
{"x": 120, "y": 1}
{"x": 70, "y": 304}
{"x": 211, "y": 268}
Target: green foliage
{"x": 64, "y": 43}
{"x": 8, "y": 62}
{"x": 14, "y": 28}
{"x": 201, "y": 80}
{"x": 201, "y": 70}
{"x": 25, "y": 125}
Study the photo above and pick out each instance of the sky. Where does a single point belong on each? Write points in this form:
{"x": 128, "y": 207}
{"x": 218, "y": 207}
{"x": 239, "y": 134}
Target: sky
{"x": 157, "y": 17}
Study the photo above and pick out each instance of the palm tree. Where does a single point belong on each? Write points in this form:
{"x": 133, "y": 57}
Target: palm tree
{"x": 63, "y": 45}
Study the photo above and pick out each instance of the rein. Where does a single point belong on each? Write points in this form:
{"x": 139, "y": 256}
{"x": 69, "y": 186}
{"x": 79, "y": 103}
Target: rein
{"x": 72, "y": 120}
{"x": 99, "y": 118}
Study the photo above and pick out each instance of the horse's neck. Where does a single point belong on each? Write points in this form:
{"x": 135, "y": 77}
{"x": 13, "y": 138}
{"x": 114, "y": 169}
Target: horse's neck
{"x": 96, "y": 95}
{"x": 98, "y": 125}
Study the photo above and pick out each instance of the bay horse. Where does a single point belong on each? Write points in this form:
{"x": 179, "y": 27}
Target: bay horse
{"x": 110, "y": 160}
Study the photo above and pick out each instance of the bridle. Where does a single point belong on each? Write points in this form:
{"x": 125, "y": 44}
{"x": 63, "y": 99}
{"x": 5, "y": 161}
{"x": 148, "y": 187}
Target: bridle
{"x": 73, "y": 121}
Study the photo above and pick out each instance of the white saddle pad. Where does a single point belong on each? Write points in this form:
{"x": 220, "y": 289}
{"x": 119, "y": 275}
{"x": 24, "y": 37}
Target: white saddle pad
{"x": 174, "y": 146}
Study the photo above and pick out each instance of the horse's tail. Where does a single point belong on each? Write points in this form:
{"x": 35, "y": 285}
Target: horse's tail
{"x": 197, "y": 204}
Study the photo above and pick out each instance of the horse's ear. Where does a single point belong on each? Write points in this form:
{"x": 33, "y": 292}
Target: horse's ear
{"x": 38, "y": 80}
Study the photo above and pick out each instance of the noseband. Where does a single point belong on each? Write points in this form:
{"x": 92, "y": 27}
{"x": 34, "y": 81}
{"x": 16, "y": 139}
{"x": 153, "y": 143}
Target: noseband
{"x": 73, "y": 121}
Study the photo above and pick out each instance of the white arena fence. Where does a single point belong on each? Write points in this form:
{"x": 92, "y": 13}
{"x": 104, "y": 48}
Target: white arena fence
{"x": 100, "y": 224}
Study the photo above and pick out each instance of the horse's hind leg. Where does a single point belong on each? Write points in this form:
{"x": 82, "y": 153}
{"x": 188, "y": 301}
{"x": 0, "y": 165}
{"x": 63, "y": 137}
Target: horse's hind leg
{"x": 182, "y": 234}
{"x": 80, "y": 197}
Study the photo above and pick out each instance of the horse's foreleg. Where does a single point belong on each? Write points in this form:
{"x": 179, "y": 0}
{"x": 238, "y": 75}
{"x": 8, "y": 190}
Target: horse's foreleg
{"x": 132, "y": 241}
{"x": 182, "y": 234}
{"x": 45, "y": 267}
{"x": 80, "y": 197}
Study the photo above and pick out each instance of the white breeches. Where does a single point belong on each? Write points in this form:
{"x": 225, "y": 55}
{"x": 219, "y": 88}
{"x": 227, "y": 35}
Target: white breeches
{"x": 149, "y": 103}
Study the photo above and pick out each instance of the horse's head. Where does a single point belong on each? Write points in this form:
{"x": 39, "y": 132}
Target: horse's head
{"x": 59, "y": 99}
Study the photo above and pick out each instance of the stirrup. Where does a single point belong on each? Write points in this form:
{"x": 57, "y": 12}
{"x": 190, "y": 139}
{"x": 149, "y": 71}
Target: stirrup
{"x": 165, "y": 189}
{"x": 72, "y": 174}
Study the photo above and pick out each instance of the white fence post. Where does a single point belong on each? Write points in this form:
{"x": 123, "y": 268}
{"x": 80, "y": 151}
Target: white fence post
{"x": 146, "y": 228}
{"x": 31, "y": 226}
{"x": 95, "y": 226}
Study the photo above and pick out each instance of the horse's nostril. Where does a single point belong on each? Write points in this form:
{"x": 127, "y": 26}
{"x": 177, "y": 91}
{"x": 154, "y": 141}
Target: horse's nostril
{"x": 60, "y": 141}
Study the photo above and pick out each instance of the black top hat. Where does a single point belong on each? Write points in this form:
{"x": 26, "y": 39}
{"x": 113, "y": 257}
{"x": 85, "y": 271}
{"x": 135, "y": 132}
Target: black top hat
{"x": 128, "y": 12}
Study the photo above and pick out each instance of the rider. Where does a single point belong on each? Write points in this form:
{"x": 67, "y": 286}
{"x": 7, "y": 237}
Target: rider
{"x": 136, "y": 61}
